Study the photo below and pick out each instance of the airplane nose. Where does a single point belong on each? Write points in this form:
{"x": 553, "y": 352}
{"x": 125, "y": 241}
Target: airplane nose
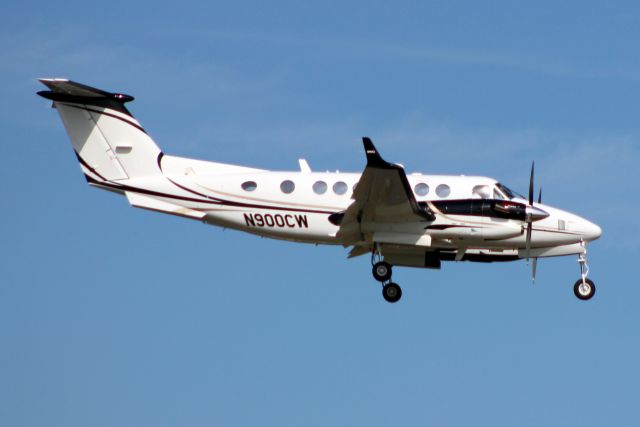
{"x": 591, "y": 231}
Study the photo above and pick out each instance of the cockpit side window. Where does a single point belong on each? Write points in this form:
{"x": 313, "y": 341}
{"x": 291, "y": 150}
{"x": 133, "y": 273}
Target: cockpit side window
{"x": 481, "y": 191}
{"x": 506, "y": 192}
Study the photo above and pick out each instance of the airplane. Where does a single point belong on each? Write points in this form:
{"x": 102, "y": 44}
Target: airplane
{"x": 403, "y": 220}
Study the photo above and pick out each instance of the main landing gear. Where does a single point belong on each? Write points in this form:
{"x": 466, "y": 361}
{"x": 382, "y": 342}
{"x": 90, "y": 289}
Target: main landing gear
{"x": 381, "y": 270}
{"x": 584, "y": 288}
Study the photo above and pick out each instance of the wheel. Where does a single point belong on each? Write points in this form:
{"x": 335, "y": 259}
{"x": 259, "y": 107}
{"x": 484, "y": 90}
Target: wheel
{"x": 381, "y": 271}
{"x": 391, "y": 292}
{"x": 584, "y": 291}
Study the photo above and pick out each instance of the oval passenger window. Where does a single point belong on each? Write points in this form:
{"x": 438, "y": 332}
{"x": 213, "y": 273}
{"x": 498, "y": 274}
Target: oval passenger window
{"x": 287, "y": 186}
{"x": 249, "y": 186}
{"x": 340, "y": 188}
{"x": 421, "y": 189}
{"x": 443, "y": 190}
{"x": 319, "y": 187}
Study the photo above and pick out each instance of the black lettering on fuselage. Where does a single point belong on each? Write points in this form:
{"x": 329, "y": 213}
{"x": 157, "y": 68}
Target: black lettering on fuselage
{"x": 268, "y": 218}
{"x": 288, "y": 218}
{"x": 302, "y": 220}
{"x": 248, "y": 218}
{"x": 277, "y": 220}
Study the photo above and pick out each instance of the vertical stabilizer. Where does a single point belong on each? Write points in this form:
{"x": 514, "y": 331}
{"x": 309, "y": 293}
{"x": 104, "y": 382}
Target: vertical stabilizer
{"x": 109, "y": 142}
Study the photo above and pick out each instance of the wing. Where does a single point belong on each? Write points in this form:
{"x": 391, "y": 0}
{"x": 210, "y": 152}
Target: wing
{"x": 383, "y": 196}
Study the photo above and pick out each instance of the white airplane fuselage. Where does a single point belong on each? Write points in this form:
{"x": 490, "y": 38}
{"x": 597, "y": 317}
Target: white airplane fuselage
{"x": 198, "y": 187}
{"x": 410, "y": 220}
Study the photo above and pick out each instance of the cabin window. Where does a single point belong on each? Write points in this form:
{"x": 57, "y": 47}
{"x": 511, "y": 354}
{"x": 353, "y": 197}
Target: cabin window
{"x": 443, "y": 190}
{"x": 249, "y": 186}
{"x": 287, "y": 186}
{"x": 320, "y": 187}
{"x": 421, "y": 189}
{"x": 482, "y": 191}
{"x": 340, "y": 188}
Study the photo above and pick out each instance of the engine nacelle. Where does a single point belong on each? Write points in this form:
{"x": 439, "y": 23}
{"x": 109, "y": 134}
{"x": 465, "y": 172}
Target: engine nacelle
{"x": 474, "y": 233}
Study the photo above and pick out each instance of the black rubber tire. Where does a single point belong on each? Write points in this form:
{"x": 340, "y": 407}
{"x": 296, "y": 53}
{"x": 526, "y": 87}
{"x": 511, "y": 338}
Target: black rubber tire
{"x": 381, "y": 271}
{"x": 391, "y": 292}
{"x": 587, "y": 296}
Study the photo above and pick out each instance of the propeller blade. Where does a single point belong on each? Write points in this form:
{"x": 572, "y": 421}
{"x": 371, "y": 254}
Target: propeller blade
{"x": 530, "y": 219}
{"x": 528, "y": 247}
{"x": 531, "y": 186}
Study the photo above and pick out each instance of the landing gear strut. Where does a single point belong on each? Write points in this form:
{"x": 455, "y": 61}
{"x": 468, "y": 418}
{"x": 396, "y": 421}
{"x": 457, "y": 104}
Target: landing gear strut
{"x": 381, "y": 271}
{"x": 584, "y": 288}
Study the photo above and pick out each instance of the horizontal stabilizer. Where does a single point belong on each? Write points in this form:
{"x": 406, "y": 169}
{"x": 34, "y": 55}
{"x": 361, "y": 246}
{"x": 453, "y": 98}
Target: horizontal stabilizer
{"x": 146, "y": 202}
{"x": 64, "y": 90}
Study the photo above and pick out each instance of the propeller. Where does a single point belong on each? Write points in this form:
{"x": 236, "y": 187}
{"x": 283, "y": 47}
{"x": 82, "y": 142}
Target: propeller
{"x": 533, "y": 214}
{"x": 529, "y": 217}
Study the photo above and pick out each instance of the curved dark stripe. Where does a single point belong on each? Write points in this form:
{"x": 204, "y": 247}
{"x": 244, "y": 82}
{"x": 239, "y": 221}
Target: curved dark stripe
{"x": 191, "y": 191}
{"x": 240, "y": 204}
{"x": 160, "y": 157}
{"x": 208, "y": 199}
{"x": 218, "y": 202}
{"x": 159, "y": 160}
{"x": 108, "y": 114}
{"x": 86, "y": 165}
{"x": 149, "y": 192}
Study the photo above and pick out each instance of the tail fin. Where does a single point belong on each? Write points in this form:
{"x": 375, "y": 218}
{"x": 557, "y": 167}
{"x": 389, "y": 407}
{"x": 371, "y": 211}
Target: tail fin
{"x": 110, "y": 144}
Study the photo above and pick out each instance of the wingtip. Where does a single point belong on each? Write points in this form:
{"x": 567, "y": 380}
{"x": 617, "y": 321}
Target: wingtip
{"x": 369, "y": 148}
{"x": 49, "y": 81}
{"x": 373, "y": 156}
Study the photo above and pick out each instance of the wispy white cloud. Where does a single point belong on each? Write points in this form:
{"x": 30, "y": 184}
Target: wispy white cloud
{"x": 382, "y": 50}
{"x": 558, "y": 67}
{"x": 591, "y": 168}
{"x": 30, "y": 46}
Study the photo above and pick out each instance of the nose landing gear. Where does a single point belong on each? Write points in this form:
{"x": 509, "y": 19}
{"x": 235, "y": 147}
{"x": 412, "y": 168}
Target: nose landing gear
{"x": 584, "y": 288}
{"x": 381, "y": 271}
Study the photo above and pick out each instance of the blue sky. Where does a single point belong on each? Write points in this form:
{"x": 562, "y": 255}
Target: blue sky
{"x": 112, "y": 316}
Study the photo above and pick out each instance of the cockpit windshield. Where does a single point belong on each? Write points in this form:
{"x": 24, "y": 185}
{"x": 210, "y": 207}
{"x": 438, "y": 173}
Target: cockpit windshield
{"x": 504, "y": 192}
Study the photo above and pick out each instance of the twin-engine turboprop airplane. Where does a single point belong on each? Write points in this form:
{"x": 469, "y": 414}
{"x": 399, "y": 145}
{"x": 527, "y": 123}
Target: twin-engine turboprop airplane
{"x": 415, "y": 220}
